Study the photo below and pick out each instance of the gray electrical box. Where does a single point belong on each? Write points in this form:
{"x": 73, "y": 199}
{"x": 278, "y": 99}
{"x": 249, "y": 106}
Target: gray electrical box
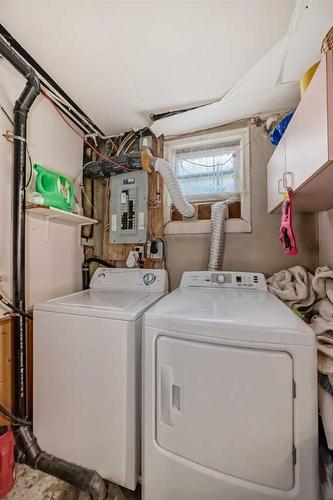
{"x": 129, "y": 208}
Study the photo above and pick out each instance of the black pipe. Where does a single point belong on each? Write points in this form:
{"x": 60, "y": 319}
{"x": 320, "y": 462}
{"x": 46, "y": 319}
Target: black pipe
{"x": 26, "y": 443}
{"x": 85, "y": 479}
{"x": 21, "y": 109}
{"x": 86, "y": 269}
{"x": 101, "y": 169}
{"x": 11, "y": 306}
{"x": 33, "y": 64}
{"x": 85, "y": 277}
{"x": 10, "y": 416}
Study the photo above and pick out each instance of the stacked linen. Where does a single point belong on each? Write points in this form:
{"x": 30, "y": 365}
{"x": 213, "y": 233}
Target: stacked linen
{"x": 322, "y": 324}
{"x": 294, "y": 287}
{"x": 312, "y": 297}
{"x": 322, "y": 319}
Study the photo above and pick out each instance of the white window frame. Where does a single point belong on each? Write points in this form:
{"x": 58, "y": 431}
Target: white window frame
{"x": 241, "y": 225}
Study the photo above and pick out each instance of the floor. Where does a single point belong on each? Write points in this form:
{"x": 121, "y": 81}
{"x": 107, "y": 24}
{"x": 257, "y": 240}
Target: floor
{"x": 35, "y": 485}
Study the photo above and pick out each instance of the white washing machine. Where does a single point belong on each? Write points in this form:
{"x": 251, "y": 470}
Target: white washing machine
{"x": 87, "y": 372}
{"x": 230, "y": 394}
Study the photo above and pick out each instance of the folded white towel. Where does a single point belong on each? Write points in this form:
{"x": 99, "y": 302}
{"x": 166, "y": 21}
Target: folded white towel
{"x": 322, "y": 321}
{"x": 325, "y": 354}
{"x": 322, "y": 283}
{"x": 324, "y": 309}
{"x": 294, "y": 287}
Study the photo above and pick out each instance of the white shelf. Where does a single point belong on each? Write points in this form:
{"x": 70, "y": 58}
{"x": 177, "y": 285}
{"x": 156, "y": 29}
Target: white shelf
{"x": 57, "y": 215}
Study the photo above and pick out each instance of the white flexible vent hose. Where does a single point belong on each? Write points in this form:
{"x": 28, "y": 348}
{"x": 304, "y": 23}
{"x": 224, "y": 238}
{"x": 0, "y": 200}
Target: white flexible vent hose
{"x": 217, "y": 223}
{"x": 178, "y": 199}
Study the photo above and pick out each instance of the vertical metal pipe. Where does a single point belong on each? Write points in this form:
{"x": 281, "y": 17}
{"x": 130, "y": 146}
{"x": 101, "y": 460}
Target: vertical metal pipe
{"x": 83, "y": 478}
{"x": 21, "y": 110}
{"x": 18, "y": 214}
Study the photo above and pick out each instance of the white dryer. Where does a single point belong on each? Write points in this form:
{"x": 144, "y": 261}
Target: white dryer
{"x": 230, "y": 394}
{"x": 87, "y": 371}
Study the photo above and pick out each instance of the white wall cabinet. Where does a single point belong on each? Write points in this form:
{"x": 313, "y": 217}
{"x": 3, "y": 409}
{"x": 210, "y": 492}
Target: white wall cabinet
{"x": 303, "y": 160}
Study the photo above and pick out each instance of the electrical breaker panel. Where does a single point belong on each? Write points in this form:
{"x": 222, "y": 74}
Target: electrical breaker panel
{"x": 129, "y": 208}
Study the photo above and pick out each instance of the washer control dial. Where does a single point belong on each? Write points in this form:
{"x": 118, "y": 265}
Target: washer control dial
{"x": 149, "y": 279}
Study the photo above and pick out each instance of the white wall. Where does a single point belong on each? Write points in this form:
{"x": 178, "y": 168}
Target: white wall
{"x": 326, "y": 238}
{"x": 258, "y": 251}
{"x": 53, "y": 266}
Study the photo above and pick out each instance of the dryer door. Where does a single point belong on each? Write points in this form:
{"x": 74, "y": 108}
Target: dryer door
{"x": 227, "y": 408}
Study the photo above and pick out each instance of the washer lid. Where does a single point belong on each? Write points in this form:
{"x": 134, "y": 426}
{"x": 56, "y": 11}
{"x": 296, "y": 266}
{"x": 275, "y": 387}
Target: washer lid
{"x": 121, "y": 304}
{"x": 253, "y": 316}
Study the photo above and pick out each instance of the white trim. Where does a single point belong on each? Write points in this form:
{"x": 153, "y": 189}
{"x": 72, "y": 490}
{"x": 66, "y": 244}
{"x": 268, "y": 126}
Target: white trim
{"x": 203, "y": 227}
{"x": 206, "y": 139}
{"x": 205, "y": 198}
{"x": 242, "y": 225}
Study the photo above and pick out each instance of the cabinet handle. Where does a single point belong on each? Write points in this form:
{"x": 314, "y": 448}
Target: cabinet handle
{"x": 285, "y": 183}
{"x": 287, "y": 180}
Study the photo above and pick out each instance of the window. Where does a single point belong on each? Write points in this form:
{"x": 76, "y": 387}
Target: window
{"x": 211, "y": 167}
{"x": 208, "y": 171}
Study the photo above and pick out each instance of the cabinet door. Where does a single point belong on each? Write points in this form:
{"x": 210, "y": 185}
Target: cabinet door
{"x": 302, "y": 155}
{"x": 275, "y": 170}
{"x": 306, "y": 136}
{"x": 227, "y": 408}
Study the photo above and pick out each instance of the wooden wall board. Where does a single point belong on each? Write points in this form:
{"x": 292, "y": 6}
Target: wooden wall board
{"x": 119, "y": 252}
{"x": 204, "y": 211}
{"x": 6, "y": 376}
{"x": 6, "y": 365}
{"x": 234, "y": 210}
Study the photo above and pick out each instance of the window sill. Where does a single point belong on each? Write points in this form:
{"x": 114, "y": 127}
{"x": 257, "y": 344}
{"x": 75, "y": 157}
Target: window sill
{"x": 203, "y": 227}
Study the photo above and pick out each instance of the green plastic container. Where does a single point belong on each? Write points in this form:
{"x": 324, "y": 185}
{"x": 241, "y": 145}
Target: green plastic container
{"x": 56, "y": 189}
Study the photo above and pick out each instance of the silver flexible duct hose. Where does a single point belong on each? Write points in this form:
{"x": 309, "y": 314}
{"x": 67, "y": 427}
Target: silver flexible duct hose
{"x": 217, "y": 223}
{"x": 178, "y": 199}
{"x": 218, "y": 217}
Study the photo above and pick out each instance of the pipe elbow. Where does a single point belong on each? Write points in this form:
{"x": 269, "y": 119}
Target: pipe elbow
{"x": 34, "y": 81}
{"x": 29, "y": 93}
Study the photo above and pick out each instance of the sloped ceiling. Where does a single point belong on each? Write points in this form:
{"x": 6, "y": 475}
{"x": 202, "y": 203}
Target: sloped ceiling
{"x": 272, "y": 83}
{"x": 123, "y": 60}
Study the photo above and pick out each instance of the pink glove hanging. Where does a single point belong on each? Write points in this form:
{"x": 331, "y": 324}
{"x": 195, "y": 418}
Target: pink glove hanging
{"x": 286, "y": 229}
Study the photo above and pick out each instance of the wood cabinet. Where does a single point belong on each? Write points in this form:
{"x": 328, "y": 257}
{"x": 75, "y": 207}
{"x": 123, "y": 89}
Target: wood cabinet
{"x": 5, "y": 365}
{"x": 303, "y": 160}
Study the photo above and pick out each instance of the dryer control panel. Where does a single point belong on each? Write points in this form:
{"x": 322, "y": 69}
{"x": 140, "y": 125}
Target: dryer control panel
{"x": 224, "y": 279}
